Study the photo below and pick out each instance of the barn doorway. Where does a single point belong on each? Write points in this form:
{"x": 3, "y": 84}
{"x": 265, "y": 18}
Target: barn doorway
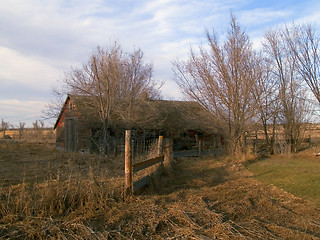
{"x": 71, "y": 140}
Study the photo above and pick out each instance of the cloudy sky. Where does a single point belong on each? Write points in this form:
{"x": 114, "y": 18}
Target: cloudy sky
{"x": 40, "y": 40}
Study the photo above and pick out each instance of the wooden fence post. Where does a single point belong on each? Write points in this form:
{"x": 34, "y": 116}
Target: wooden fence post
{"x": 128, "y": 168}
{"x": 200, "y": 148}
{"x": 168, "y": 154}
{"x": 160, "y": 143}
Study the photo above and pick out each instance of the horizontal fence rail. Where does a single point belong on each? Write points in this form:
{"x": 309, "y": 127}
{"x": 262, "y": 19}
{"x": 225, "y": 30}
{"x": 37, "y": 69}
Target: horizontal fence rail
{"x": 137, "y": 185}
{"x": 148, "y": 163}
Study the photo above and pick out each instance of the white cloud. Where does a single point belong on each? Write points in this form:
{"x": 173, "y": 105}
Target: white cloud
{"x": 260, "y": 16}
{"x": 53, "y": 28}
{"x": 19, "y": 69}
{"x": 257, "y": 43}
{"x": 170, "y": 90}
{"x": 15, "y": 110}
{"x": 312, "y": 17}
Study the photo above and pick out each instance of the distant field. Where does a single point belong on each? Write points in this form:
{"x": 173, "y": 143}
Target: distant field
{"x": 30, "y": 134}
{"x": 298, "y": 174}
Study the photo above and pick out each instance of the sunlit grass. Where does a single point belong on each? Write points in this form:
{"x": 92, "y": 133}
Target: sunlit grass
{"x": 297, "y": 174}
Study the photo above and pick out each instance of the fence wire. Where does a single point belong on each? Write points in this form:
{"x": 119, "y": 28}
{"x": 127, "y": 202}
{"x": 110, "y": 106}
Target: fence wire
{"x": 142, "y": 148}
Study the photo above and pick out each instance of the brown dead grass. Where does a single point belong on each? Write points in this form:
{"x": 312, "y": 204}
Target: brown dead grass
{"x": 25, "y": 162}
{"x": 198, "y": 199}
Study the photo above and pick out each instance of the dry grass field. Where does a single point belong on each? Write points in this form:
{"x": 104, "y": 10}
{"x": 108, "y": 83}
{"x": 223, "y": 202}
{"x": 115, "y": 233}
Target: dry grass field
{"x": 45, "y": 194}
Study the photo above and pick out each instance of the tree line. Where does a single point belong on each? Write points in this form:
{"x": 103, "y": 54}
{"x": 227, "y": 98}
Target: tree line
{"x": 23, "y": 132}
{"x": 241, "y": 86}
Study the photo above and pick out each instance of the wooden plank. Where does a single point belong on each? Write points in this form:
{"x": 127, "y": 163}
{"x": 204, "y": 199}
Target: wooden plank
{"x": 140, "y": 183}
{"x": 148, "y": 163}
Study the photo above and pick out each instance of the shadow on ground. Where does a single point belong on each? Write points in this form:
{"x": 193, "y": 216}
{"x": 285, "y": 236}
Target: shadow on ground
{"x": 193, "y": 173}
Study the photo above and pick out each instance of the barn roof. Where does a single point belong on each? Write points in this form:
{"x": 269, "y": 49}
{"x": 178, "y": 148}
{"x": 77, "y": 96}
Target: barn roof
{"x": 149, "y": 114}
{"x": 85, "y": 105}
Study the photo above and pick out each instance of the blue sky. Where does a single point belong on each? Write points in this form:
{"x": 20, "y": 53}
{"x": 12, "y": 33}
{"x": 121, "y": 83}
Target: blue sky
{"x": 40, "y": 40}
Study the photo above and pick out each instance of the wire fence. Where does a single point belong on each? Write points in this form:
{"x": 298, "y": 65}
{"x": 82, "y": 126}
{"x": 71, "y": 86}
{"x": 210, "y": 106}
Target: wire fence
{"x": 143, "y": 161}
{"x": 143, "y": 148}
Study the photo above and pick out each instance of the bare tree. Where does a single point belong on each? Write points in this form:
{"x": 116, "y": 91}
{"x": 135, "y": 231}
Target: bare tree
{"x": 221, "y": 78}
{"x": 291, "y": 93}
{"x": 4, "y": 127}
{"x": 21, "y": 128}
{"x": 38, "y": 127}
{"x": 38, "y": 124}
{"x": 111, "y": 77}
{"x": 265, "y": 92}
{"x": 304, "y": 42}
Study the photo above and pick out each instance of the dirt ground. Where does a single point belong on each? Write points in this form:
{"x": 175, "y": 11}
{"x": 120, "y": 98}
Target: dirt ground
{"x": 197, "y": 199}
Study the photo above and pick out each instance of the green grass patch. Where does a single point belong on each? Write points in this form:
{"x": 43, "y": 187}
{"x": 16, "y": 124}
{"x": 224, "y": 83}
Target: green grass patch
{"x": 296, "y": 174}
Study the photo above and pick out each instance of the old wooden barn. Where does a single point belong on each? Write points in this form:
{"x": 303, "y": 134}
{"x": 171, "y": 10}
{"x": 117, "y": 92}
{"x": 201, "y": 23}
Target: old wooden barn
{"x": 78, "y": 126}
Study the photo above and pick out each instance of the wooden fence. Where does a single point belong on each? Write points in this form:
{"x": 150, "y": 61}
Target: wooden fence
{"x": 161, "y": 160}
{"x": 131, "y": 169}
